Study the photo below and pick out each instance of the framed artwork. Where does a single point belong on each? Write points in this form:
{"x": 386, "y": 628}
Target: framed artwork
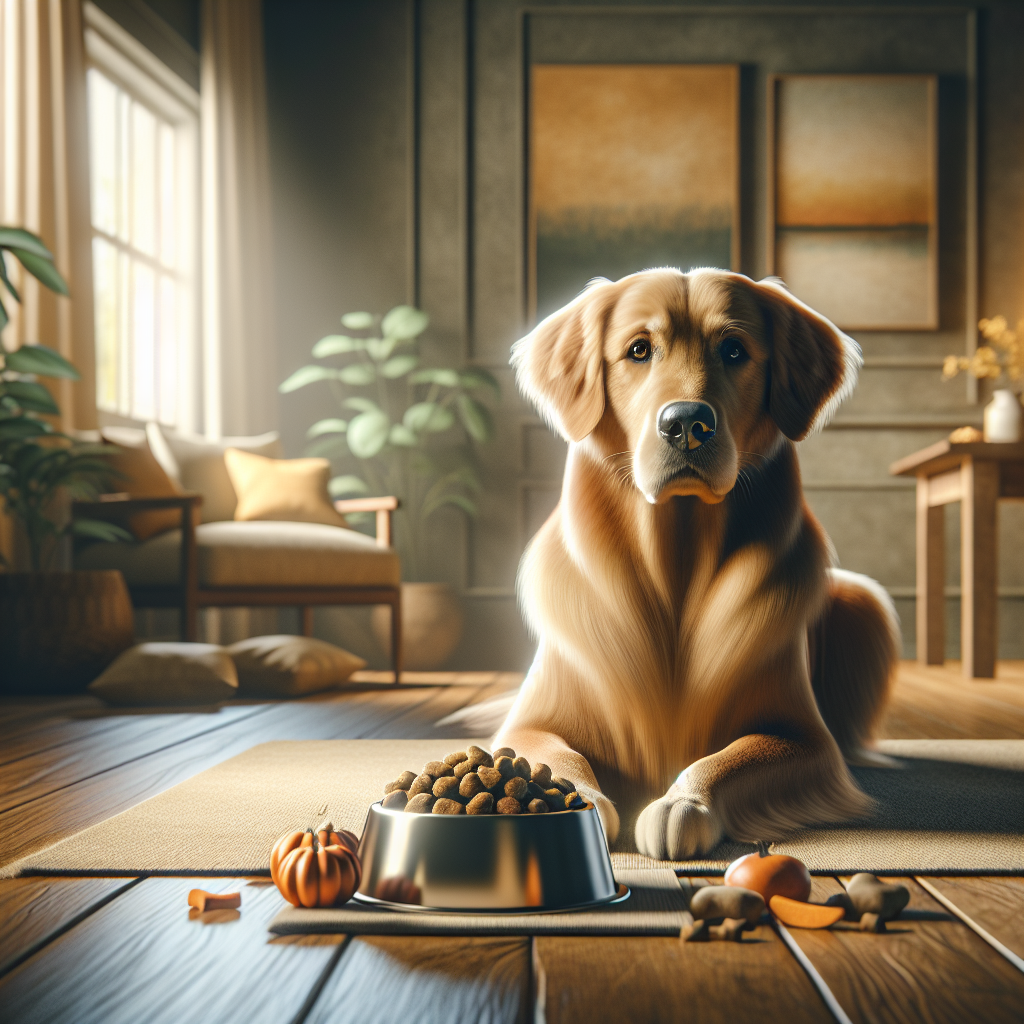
{"x": 853, "y": 224}
{"x": 632, "y": 166}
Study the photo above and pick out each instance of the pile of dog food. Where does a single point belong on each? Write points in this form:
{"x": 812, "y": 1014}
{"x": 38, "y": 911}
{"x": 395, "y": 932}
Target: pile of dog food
{"x": 473, "y": 781}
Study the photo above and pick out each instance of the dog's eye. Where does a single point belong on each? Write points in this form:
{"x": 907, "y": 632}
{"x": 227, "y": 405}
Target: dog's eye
{"x": 732, "y": 351}
{"x": 640, "y": 350}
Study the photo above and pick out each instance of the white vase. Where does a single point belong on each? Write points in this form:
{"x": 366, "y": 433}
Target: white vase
{"x": 1002, "y": 417}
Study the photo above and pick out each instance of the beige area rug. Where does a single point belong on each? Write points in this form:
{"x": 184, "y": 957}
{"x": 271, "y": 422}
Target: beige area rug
{"x": 953, "y": 807}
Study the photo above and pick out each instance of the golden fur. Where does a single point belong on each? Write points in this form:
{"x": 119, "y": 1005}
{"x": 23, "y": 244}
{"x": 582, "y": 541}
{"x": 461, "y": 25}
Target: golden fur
{"x": 673, "y": 591}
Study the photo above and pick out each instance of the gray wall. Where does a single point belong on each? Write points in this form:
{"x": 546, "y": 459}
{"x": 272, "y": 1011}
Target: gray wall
{"x": 398, "y": 132}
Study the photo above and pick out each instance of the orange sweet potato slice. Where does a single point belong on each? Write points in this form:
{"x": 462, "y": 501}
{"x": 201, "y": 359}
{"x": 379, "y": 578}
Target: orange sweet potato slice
{"x": 203, "y": 900}
{"x": 804, "y": 915}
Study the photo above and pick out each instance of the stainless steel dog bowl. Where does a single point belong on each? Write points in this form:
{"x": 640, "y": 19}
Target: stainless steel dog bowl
{"x": 490, "y": 862}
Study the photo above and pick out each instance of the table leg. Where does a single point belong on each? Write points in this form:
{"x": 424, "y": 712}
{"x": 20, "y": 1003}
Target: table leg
{"x": 931, "y": 579}
{"x": 978, "y": 603}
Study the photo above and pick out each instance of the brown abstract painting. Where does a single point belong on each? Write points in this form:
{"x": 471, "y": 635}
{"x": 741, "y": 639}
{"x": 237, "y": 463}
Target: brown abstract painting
{"x": 854, "y": 231}
{"x": 632, "y": 166}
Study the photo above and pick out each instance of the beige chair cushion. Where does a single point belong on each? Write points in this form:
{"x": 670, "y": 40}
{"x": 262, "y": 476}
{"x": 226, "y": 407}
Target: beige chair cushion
{"x": 255, "y": 554}
{"x": 197, "y": 464}
{"x": 168, "y": 673}
{"x": 289, "y": 666}
{"x": 141, "y": 476}
{"x": 287, "y": 490}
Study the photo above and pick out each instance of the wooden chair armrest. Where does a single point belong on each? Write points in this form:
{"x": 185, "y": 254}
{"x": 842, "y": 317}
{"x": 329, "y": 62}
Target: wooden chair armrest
{"x": 383, "y": 506}
{"x": 125, "y": 504}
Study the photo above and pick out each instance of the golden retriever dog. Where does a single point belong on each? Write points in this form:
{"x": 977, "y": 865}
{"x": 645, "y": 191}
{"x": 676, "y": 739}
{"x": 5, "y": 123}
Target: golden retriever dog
{"x": 700, "y": 661}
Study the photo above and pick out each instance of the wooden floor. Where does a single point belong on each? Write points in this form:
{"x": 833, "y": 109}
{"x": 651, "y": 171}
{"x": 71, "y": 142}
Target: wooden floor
{"x": 99, "y": 950}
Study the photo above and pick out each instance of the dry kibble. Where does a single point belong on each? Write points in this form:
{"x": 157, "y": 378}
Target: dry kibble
{"x": 573, "y": 802}
{"x": 478, "y": 756}
{"x": 509, "y": 805}
{"x": 563, "y": 784}
{"x": 534, "y": 791}
{"x": 463, "y": 768}
{"x": 457, "y": 758}
{"x": 516, "y": 787}
{"x": 482, "y": 803}
{"x": 503, "y": 752}
{"x": 396, "y": 800}
{"x": 471, "y": 786}
{"x": 541, "y": 774}
{"x": 422, "y": 784}
{"x": 448, "y": 807}
{"x": 404, "y": 781}
{"x": 522, "y": 768}
{"x": 505, "y": 766}
{"x": 555, "y": 799}
{"x": 446, "y": 788}
{"x": 538, "y": 807}
{"x": 438, "y": 769}
{"x": 490, "y": 777}
{"x": 421, "y": 803}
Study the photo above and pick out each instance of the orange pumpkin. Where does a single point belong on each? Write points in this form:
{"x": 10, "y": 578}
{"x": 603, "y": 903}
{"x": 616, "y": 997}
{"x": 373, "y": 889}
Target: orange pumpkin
{"x": 316, "y": 869}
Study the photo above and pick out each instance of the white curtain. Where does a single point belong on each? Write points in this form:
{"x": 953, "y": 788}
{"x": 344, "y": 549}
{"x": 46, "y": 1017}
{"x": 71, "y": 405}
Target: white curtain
{"x": 239, "y": 361}
{"x": 44, "y": 184}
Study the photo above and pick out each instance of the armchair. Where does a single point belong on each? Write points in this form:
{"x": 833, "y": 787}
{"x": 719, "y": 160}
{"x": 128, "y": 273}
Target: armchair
{"x": 255, "y": 563}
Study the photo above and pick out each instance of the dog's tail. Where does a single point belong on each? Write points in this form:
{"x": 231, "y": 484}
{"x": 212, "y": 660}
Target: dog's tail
{"x": 854, "y": 649}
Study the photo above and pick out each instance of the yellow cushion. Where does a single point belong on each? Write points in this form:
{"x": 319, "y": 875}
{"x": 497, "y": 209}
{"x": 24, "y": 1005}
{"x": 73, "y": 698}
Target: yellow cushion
{"x": 141, "y": 476}
{"x": 284, "y": 490}
{"x": 290, "y": 666}
{"x": 168, "y": 673}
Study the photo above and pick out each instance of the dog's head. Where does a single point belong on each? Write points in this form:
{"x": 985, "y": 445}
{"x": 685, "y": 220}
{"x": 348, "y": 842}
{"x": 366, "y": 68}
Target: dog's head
{"x": 686, "y": 375}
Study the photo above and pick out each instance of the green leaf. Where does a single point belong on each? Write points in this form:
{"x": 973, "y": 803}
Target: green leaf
{"x": 4, "y": 318}
{"x": 40, "y": 360}
{"x": 307, "y": 375}
{"x": 33, "y": 397}
{"x": 459, "y": 500}
{"x": 437, "y": 375}
{"x": 20, "y": 428}
{"x": 333, "y": 344}
{"x": 476, "y": 418}
{"x": 476, "y": 377}
{"x": 357, "y": 321}
{"x": 331, "y": 447}
{"x": 380, "y": 348}
{"x": 19, "y": 238}
{"x": 358, "y": 374}
{"x": 6, "y": 280}
{"x": 361, "y": 404}
{"x": 332, "y": 426}
{"x": 398, "y": 366}
{"x": 42, "y": 268}
{"x": 339, "y": 486}
{"x": 367, "y": 434}
{"x": 404, "y": 322}
{"x": 402, "y": 437}
{"x": 99, "y": 530}
{"x": 427, "y": 416}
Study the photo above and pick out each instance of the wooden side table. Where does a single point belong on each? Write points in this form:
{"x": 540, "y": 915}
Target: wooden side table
{"x": 977, "y": 475}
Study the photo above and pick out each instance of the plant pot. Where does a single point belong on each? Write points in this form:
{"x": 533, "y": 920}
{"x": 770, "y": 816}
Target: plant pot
{"x": 60, "y": 630}
{"x": 431, "y": 625}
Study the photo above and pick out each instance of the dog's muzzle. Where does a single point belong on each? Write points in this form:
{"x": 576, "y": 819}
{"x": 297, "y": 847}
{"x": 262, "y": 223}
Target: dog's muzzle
{"x": 686, "y": 425}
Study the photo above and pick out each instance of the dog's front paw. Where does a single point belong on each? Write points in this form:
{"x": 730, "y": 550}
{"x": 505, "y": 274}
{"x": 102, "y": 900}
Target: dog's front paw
{"x": 677, "y": 827}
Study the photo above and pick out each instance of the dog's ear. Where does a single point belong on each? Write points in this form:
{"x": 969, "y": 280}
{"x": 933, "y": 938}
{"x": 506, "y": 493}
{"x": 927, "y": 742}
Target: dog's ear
{"x": 560, "y": 364}
{"x": 813, "y": 364}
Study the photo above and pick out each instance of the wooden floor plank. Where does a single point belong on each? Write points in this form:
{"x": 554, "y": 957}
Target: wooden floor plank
{"x": 35, "y": 775}
{"x": 928, "y": 966}
{"x": 52, "y": 817}
{"x": 996, "y": 904}
{"x": 146, "y": 957}
{"x": 425, "y": 980}
{"x": 32, "y": 909}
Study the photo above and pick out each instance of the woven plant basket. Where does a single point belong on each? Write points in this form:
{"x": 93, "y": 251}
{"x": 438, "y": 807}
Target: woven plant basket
{"x": 60, "y": 630}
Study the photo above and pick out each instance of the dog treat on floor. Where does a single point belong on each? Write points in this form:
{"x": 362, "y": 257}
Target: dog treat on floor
{"x": 805, "y": 915}
{"x": 870, "y": 896}
{"x": 772, "y": 875}
{"x": 730, "y": 930}
{"x": 203, "y": 900}
{"x": 482, "y": 783}
{"x": 872, "y": 923}
{"x": 720, "y": 901}
{"x": 698, "y": 931}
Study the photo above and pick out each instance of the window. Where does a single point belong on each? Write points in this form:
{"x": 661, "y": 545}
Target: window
{"x": 144, "y": 172}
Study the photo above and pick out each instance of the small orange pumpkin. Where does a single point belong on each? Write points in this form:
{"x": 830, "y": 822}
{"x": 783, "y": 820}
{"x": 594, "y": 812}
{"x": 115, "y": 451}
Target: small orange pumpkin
{"x": 319, "y": 869}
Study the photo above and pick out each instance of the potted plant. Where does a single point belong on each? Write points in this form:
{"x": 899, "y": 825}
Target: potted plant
{"x": 408, "y": 430}
{"x": 58, "y": 630}
{"x": 1002, "y": 356}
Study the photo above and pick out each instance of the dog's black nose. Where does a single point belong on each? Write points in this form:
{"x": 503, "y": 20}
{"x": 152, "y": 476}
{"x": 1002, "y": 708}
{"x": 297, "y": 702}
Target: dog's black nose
{"x": 686, "y": 424}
